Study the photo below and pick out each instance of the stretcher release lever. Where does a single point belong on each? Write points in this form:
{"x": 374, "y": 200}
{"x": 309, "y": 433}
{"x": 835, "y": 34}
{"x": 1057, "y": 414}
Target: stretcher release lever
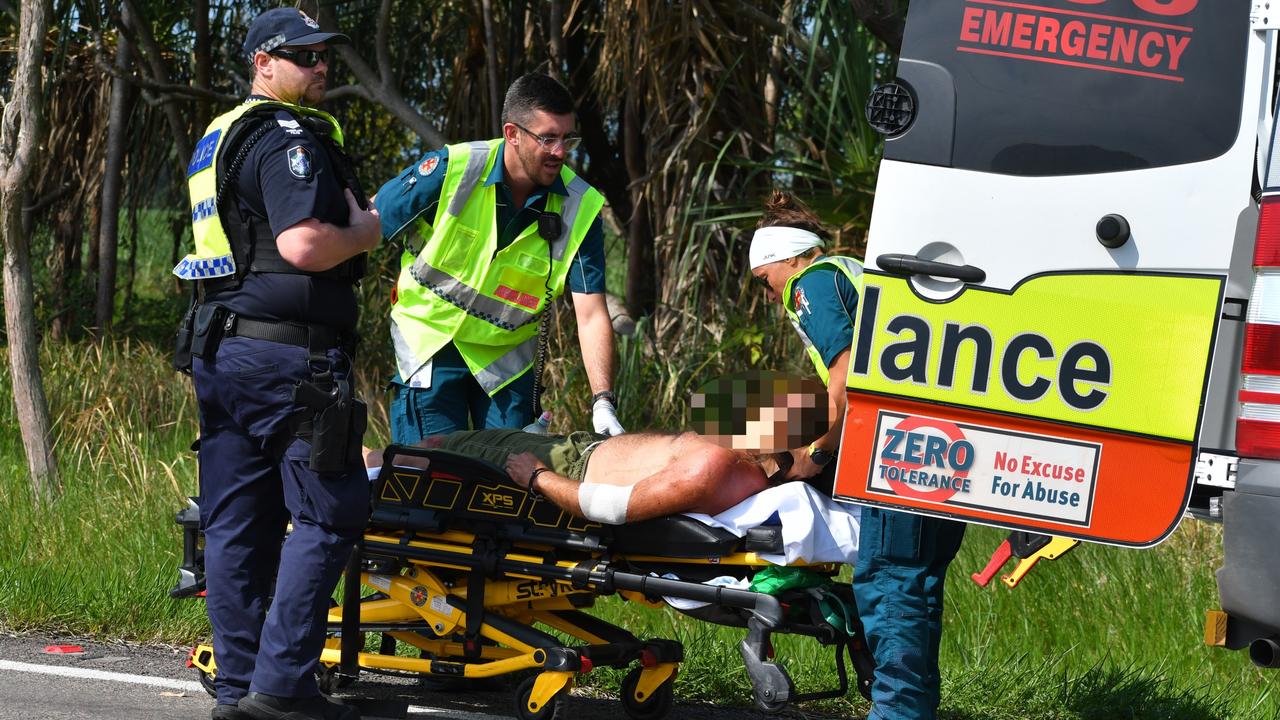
{"x": 1057, "y": 547}
{"x": 1028, "y": 548}
{"x": 998, "y": 559}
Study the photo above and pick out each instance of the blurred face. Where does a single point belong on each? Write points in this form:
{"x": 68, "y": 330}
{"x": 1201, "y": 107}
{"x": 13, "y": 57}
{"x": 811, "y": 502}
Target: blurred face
{"x": 539, "y": 144}
{"x": 763, "y": 414}
{"x": 283, "y": 73}
{"x": 772, "y": 277}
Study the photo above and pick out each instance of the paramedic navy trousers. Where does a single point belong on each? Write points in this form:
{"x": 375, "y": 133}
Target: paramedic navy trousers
{"x": 254, "y": 478}
{"x": 898, "y": 582}
{"x": 455, "y": 401}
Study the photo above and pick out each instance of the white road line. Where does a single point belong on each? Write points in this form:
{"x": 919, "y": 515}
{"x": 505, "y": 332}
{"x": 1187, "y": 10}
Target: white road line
{"x": 418, "y": 711}
{"x": 192, "y": 686}
{"x": 75, "y": 672}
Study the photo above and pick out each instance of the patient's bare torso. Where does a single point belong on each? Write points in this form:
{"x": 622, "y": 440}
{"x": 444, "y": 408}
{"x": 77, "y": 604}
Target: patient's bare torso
{"x": 627, "y": 459}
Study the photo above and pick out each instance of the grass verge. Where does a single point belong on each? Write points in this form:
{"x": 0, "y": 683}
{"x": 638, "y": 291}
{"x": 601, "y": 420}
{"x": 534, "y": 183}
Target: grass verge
{"x": 1102, "y": 633}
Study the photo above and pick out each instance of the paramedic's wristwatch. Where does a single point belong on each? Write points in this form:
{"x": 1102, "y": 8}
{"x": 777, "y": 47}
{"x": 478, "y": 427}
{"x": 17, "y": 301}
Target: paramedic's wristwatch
{"x": 819, "y": 456}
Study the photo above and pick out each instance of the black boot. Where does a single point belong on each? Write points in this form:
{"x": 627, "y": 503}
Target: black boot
{"x": 261, "y": 706}
{"x": 229, "y": 712}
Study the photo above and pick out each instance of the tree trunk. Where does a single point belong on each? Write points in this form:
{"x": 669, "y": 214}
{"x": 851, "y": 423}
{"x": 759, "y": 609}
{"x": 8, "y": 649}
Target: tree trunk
{"x": 380, "y": 87}
{"x": 19, "y": 137}
{"x": 641, "y": 269}
{"x": 491, "y": 63}
{"x": 112, "y": 187}
{"x": 555, "y": 27}
{"x": 68, "y": 234}
{"x": 773, "y": 81}
{"x": 203, "y": 60}
{"x": 131, "y": 266}
{"x": 886, "y": 19}
{"x": 153, "y": 61}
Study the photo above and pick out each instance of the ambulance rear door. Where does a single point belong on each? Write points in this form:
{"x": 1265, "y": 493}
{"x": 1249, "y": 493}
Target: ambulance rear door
{"x": 1062, "y": 185}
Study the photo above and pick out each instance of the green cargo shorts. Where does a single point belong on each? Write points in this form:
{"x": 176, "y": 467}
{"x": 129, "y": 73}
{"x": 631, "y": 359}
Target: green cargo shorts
{"x": 565, "y": 454}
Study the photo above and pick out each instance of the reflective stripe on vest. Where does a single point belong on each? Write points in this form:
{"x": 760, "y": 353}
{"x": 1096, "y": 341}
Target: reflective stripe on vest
{"x": 508, "y": 366}
{"x": 460, "y": 289}
{"x": 852, "y": 269}
{"x": 477, "y": 159}
{"x": 213, "y": 257}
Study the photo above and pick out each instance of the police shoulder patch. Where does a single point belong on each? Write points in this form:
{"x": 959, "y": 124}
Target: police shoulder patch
{"x": 291, "y": 126}
{"x": 299, "y": 162}
{"x": 428, "y": 166}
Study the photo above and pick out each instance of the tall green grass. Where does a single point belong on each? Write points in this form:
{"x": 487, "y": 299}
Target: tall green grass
{"x": 1101, "y": 633}
{"x": 101, "y": 557}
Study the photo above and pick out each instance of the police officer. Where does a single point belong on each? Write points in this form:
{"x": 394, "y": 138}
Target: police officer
{"x": 281, "y": 231}
{"x": 902, "y": 558}
{"x": 493, "y": 231}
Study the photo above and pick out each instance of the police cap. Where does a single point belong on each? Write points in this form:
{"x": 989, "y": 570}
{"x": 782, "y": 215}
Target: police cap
{"x": 283, "y": 27}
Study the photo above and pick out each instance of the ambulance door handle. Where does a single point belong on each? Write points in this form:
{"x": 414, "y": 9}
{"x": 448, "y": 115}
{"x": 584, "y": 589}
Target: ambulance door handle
{"x": 912, "y": 265}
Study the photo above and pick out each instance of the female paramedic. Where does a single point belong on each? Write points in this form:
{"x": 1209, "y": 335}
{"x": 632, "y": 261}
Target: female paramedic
{"x": 902, "y": 558}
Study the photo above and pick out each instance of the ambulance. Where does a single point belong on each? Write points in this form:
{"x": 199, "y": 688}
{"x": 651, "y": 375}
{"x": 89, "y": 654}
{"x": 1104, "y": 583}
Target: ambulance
{"x": 1070, "y": 324}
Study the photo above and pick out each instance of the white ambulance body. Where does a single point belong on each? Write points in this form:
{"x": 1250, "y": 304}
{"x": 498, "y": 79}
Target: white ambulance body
{"x": 1061, "y": 278}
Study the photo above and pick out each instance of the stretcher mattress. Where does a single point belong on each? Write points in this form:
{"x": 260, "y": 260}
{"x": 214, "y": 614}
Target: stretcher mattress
{"x": 806, "y": 526}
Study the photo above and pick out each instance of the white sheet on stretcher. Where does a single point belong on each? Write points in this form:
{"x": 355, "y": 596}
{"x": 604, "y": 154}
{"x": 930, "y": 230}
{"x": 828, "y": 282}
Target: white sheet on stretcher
{"x": 815, "y": 528}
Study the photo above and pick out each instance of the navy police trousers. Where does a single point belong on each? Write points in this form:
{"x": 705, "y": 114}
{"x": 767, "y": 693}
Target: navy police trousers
{"x": 254, "y": 478}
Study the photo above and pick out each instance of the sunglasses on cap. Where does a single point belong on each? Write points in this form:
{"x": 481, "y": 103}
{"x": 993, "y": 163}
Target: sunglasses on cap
{"x": 302, "y": 58}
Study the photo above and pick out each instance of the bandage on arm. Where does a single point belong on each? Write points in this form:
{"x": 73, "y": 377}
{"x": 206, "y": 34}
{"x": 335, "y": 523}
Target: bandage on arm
{"x": 605, "y": 504}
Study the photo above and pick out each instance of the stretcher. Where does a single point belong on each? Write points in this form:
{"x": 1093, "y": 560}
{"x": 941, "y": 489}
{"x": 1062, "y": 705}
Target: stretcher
{"x": 475, "y": 577}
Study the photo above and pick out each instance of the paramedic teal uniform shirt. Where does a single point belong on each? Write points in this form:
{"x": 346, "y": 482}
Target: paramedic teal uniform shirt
{"x": 825, "y": 306}
{"x": 454, "y": 401}
{"x": 255, "y": 475}
{"x": 902, "y": 558}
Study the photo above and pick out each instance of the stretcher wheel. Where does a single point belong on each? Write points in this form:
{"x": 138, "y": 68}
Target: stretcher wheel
{"x": 331, "y": 680}
{"x": 206, "y": 682}
{"x": 654, "y": 707}
{"x": 552, "y": 710}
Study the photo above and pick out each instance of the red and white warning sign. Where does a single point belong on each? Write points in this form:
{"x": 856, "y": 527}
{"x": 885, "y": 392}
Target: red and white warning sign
{"x": 956, "y": 464}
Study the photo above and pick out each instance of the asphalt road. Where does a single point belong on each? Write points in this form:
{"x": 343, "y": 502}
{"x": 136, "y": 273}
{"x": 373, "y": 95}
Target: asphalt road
{"x": 119, "y": 681}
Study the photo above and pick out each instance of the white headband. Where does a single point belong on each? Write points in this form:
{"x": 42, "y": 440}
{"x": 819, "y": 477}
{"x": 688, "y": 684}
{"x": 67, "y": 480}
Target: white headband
{"x": 770, "y": 244}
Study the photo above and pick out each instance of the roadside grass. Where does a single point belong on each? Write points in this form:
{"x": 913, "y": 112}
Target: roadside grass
{"x": 1101, "y": 633}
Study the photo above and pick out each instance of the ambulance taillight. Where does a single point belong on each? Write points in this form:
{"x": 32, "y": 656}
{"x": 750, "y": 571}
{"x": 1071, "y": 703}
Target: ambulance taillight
{"x": 1258, "y": 426}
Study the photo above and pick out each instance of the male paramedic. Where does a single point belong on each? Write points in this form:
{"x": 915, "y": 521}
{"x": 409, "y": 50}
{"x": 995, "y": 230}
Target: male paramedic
{"x": 492, "y": 232}
{"x": 271, "y": 337}
{"x": 903, "y": 558}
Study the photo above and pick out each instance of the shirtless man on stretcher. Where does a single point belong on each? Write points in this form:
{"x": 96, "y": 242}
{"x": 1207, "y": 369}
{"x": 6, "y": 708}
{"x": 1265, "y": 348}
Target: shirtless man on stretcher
{"x": 644, "y": 475}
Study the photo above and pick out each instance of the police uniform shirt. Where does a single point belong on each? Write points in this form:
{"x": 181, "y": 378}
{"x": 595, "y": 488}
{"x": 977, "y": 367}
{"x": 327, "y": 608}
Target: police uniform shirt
{"x": 416, "y": 191}
{"x": 287, "y": 178}
{"x": 825, "y": 305}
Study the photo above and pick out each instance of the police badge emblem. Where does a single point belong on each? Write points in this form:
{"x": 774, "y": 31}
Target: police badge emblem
{"x": 300, "y": 162}
{"x": 428, "y": 166}
{"x": 310, "y": 23}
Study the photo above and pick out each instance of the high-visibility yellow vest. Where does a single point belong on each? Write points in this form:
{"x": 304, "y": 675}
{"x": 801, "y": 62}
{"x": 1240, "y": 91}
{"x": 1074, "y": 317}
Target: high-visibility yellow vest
{"x": 852, "y": 269}
{"x": 214, "y": 256}
{"x": 460, "y": 288}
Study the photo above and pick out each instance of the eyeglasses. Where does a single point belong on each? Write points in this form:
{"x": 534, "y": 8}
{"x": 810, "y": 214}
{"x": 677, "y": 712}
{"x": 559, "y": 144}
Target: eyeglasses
{"x": 761, "y": 281}
{"x": 303, "y": 58}
{"x": 568, "y": 142}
